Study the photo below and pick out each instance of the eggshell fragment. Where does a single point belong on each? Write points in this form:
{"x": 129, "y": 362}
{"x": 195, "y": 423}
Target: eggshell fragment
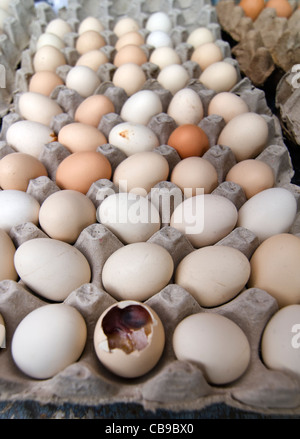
{"x": 213, "y": 274}
{"x": 78, "y": 136}
{"x": 268, "y": 213}
{"x": 80, "y": 170}
{"x": 132, "y": 138}
{"x": 7, "y": 252}
{"x": 186, "y": 107}
{"x": 246, "y": 135}
{"x": 215, "y": 343}
{"x": 141, "y": 106}
{"x": 17, "y": 207}
{"x": 281, "y": 340}
{"x": 227, "y": 105}
{"x": 274, "y": 268}
{"x": 129, "y": 338}
{"x": 48, "y": 339}
{"x": 82, "y": 79}
{"x": 17, "y": 169}
{"x": 205, "y": 219}
{"x": 37, "y": 107}
{"x": 137, "y": 271}
{"x": 130, "y": 217}
{"x": 189, "y": 140}
{"x": 91, "y": 110}
{"x": 219, "y": 76}
{"x": 64, "y": 214}
{"x": 140, "y": 172}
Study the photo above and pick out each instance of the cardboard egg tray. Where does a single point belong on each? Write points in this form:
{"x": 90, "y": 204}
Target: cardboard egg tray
{"x": 172, "y": 384}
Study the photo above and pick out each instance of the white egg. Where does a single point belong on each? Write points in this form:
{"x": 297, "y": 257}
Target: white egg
{"x": 48, "y": 339}
{"x": 159, "y": 21}
{"x": 186, "y": 107}
{"x": 173, "y": 77}
{"x": 38, "y": 107}
{"x": 132, "y": 138}
{"x": 130, "y": 217}
{"x": 82, "y": 79}
{"x": 164, "y": 56}
{"x": 219, "y": 76}
{"x": 48, "y": 39}
{"x": 141, "y": 107}
{"x": 17, "y": 207}
{"x": 159, "y": 38}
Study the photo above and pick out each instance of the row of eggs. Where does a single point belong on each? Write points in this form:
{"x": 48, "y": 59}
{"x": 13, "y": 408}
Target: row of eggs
{"x": 147, "y": 256}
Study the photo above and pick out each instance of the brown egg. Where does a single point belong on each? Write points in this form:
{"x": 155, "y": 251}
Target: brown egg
{"x": 17, "y": 169}
{"x": 89, "y": 40}
{"x": 133, "y": 37}
{"x": 44, "y": 82}
{"x": 282, "y": 7}
{"x": 79, "y": 136}
{"x": 206, "y": 54}
{"x": 252, "y": 8}
{"x": 91, "y": 110}
{"x": 80, "y": 170}
{"x": 189, "y": 140}
{"x": 130, "y": 54}
{"x": 252, "y": 175}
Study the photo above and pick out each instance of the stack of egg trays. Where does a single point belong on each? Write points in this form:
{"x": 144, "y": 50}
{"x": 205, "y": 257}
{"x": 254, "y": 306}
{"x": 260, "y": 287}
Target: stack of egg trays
{"x": 172, "y": 384}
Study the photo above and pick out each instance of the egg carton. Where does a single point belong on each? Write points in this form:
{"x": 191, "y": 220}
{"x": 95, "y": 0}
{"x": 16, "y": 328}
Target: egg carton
{"x": 172, "y": 384}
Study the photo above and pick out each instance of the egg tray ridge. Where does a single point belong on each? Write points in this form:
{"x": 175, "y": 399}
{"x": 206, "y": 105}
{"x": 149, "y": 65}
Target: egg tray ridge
{"x": 172, "y": 384}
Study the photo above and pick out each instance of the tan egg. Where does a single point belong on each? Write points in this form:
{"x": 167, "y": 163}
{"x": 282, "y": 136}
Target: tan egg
{"x": 195, "y": 175}
{"x": 207, "y": 54}
{"x": 129, "y": 76}
{"x": 200, "y": 35}
{"x": 90, "y": 23}
{"x": 80, "y": 170}
{"x": 219, "y": 76}
{"x": 7, "y": 252}
{"x": 227, "y": 105}
{"x": 48, "y": 58}
{"x": 164, "y": 56}
{"x": 59, "y": 27}
{"x": 124, "y": 25}
{"x": 91, "y": 110}
{"x": 48, "y": 39}
{"x": 275, "y": 268}
{"x": 77, "y": 136}
{"x": 129, "y": 338}
{"x": 130, "y": 54}
{"x": 139, "y": 172}
{"x": 92, "y": 59}
{"x": 133, "y": 37}
{"x": 252, "y": 175}
{"x": 89, "y": 40}
{"x": 44, "y": 82}
{"x": 64, "y": 214}
{"x": 17, "y": 169}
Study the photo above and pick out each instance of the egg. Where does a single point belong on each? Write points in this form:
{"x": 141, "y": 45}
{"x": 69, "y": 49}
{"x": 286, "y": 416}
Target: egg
{"x": 17, "y": 169}
{"x": 164, "y": 56}
{"x": 283, "y": 8}
{"x": 205, "y": 219}
{"x": 80, "y": 170}
{"x": 274, "y": 268}
{"x": 215, "y": 343}
{"x": 17, "y": 207}
{"x": 140, "y": 172}
{"x": 137, "y": 271}
{"x": 252, "y": 8}
{"x": 48, "y": 339}
{"x": 219, "y": 76}
{"x": 159, "y": 38}
{"x": 173, "y": 77}
{"x": 207, "y": 54}
{"x": 214, "y": 274}
{"x": 37, "y": 107}
{"x": 268, "y": 213}
{"x": 227, "y": 105}
{"x": 59, "y": 27}
{"x": 51, "y": 268}
{"x": 48, "y": 58}
{"x": 7, "y": 253}
{"x": 89, "y": 40}
{"x": 281, "y": 341}
{"x": 82, "y": 79}
{"x": 200, "y": 35}
{"x": 2, "y": 333}
{"x": 129, "y": 76}
{"x": 91, "y": 110}
{"x": 141, "y": 107}
{"x": 132, "y": 138}
{"x": 134, "y": 37}
{"x": 64, "y": 214}
{"x": 29, "y": 137}
{"x": 48, "y": 39}
{"x": 252, "y": 175}
{"x": 193, "y": 173}
{"x": 132, "y": 218}
{"x": 79, "y": 137}
{"x": 129, "y": 339}
{"x": 90, "y": 23}
{"x": 124, "y": 25}
{"x": 189, "y": 140}
{"x": 246, "y": 135}
{"x": 159, "y": 21}
{"x": 186, "y": 107}
{"x": 92, "y": 59}
{"x": 44, "y": 82}
{"x": 131, "y": 53}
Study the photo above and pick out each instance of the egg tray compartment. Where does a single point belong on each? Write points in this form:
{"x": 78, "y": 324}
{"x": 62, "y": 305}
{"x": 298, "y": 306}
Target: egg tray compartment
{"x": 172, "y": 384}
